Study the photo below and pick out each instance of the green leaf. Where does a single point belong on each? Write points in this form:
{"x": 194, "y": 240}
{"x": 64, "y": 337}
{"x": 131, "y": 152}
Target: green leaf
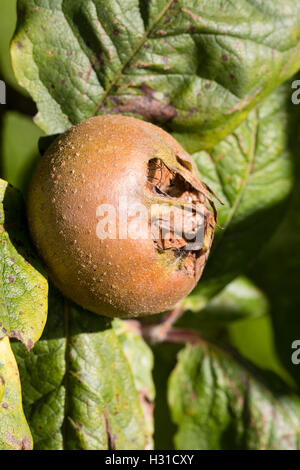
{"x": 218, "y": 402}
{"x": 196, "y": 68}
{"x": 140, "y": 358}
{"x": 239, "y": 299}
{"x": 254, "y": 339}
{"x": 277, "y": 271}
{"x": 80, "y": 390}
{"x": 252, "y": 172}
{"x": 23, "y": 288}
{"x": 19, "y": 155}
{"x": 14, "y": 430}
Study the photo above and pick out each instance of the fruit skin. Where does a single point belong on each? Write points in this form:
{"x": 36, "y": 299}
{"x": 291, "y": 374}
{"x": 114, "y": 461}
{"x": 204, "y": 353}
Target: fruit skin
{"x": 93, "y": 163}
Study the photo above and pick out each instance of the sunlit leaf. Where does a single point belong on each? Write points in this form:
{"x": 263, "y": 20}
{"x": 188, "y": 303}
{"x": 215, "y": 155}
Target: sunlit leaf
{"x": 196, "y": 68}
{"x": 80, "y": 390}
{"x": 14, "y": 431}
{"x": 23, "y": 287}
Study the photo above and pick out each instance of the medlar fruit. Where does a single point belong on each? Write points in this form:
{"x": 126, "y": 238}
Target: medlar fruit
{"x": 81, "y": 178}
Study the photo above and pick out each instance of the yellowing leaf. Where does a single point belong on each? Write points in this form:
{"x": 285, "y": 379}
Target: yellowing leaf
{"x": 14, "y": 430}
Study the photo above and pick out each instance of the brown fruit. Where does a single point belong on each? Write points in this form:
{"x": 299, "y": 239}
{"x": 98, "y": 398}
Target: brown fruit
{"x": 97, "y": 162}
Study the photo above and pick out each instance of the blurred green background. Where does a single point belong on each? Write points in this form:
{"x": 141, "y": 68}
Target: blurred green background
{"x": 19, "y": 134}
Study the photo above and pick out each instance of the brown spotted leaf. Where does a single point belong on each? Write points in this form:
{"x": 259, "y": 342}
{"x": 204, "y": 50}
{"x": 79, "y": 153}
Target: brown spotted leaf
{"x": 219, "y": 401}
{"x": 196, "y": 68}
{"x": 87, "y": 382}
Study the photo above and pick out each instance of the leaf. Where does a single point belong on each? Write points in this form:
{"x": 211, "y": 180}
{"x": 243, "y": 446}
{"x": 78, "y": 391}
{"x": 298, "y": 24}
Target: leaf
{"x": 252, "y": 173}
{"x": 23, "y": 287}
{"x": 140, "y": 358}
{"x": 238, "y": 300}
{"x": 253, "y": 338}
{"x": 14, "y": 431}
{"x": 79, "y": 389}
{"x": 196, "y": 68}
{"x": 218, "y": 402}
{"x": 2, "y": 384}
{"x": 19, "y": 155}
{"x": 277, "y": 271}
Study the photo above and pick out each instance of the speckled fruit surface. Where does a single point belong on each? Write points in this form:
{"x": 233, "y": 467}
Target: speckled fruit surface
{"x": 98, "y": 162}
